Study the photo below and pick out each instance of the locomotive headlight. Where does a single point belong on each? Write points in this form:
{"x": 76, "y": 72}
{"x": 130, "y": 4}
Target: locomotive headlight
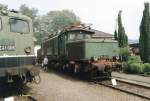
{"x": 27, "y": 50}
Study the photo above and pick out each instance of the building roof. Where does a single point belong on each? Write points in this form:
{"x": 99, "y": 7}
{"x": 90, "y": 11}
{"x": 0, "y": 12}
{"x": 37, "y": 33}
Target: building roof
{"x": 101, "y": 34}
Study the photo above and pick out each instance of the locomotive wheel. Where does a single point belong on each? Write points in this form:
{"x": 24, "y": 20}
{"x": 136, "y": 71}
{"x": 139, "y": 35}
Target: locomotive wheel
{"x": 91, "y": 75}
{"x": 109, "y": 74}
{"x": 24, "y": 79}
{"x": 37, "y": 79}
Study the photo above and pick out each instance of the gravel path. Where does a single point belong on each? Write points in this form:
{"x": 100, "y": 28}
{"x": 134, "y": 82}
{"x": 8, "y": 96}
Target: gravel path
{"x": 58, "y": 87}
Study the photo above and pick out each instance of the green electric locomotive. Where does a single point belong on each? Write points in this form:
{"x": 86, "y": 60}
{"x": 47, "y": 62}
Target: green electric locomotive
{"x": 16, "y": 46}
{"x": 80, "y": 49}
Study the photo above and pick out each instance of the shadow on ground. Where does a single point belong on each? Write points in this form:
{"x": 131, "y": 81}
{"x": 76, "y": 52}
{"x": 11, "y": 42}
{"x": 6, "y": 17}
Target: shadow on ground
{"x": 13, "y": 89}
{"x": 76, "y": 78}
{"x": 68, "y": 76}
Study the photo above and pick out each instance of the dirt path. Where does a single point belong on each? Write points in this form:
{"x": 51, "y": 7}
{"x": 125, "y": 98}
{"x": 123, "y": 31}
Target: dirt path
{"x": 56, "y": 87}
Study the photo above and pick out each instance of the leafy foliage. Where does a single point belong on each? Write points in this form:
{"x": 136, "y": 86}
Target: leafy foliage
{"x": 134, "y": 59}
{"x": 115, "y": 35}
{"x": 2, "y": 6}
{"x": 124, "y": 52}
{"x": 51, "y": 23}
{"x": 31, "y": 12}
{"x": 144, "y": 40}
{"x": 146, "y": 67}
{"x": 55, "y": 21}
{"x": 122, "y": 37}
{"x": 135, "y": 68}
{"x": 134, "y": 65}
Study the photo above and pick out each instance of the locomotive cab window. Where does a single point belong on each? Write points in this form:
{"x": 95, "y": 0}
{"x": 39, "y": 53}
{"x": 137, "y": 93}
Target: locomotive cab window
{"x": 87, "y": 36}
{"x": 18, "y": 25}
{"x": 80, "y": 36}
{"x": 72, "y": 36}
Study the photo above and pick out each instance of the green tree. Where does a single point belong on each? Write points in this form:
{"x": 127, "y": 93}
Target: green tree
{"x": 57, "y": 20}
{"x": 122, "y": 37}
{"x": 115, "y": 35}
{"x": 144, "y": 40}
{"x": 3, "y": 6}
{"x": 31, "y": 12}
{"x": 51, "y": 23}
{"x": 54, "y": 21}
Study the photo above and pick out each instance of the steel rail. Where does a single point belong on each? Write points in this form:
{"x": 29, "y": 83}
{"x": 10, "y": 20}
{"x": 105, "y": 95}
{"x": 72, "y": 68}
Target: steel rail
{"x": 123, "y": 90}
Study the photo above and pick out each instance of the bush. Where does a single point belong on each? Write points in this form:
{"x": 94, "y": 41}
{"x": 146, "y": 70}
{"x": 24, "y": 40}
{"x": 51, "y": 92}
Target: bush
{"x": 134, "y": 59}
{"x": 134, "y": 65}
{"x": 125, "y": 66}
{"x": 146, "y": 67}
{"x": 135, "y": 68}
{"x": 124, "y": 52}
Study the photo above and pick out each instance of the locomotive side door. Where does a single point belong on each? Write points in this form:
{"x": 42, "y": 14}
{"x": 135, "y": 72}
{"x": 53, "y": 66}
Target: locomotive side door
{"x": 62, "y": 52}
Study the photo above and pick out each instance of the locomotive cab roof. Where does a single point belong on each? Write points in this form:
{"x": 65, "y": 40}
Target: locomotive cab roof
{"x": 13, "y": 13}
{"x": 80, "y": 29}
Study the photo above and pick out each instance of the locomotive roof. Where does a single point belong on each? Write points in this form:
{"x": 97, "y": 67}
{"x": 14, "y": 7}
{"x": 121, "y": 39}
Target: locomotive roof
{"x": 19, "y": 15}
{"x": 95, "y": 33}
{"x": 69, "y": 30}
{"x": 78, "y": 29}
{"x": 14, "y": 14}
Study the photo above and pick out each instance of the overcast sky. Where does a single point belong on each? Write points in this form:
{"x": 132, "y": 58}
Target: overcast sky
{"x": 101, "y": 13}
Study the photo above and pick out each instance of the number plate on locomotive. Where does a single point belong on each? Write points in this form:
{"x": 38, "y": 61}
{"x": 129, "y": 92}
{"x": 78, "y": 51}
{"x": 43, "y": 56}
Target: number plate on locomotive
{"x": 7, "y": 47}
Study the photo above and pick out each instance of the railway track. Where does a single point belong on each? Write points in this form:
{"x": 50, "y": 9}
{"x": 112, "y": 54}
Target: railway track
{"x": 127, "y": 87}
{"x": 20, "y": 98}
{"x": 27, "y": 98}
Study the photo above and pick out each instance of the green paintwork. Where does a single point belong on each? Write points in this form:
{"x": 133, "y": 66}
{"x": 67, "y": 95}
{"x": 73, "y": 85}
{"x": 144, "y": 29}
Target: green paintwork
{"x": 52, "y": 45}
{"x": 85, "y": 49}
{"x": 19, "y": 40}
{"x": 76, "y": 50}
{"x": 7, "y": 41}
{"x": 102, "y": 48}
{"x": 13, "y": 56}
{"x": 79, "y": 49}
